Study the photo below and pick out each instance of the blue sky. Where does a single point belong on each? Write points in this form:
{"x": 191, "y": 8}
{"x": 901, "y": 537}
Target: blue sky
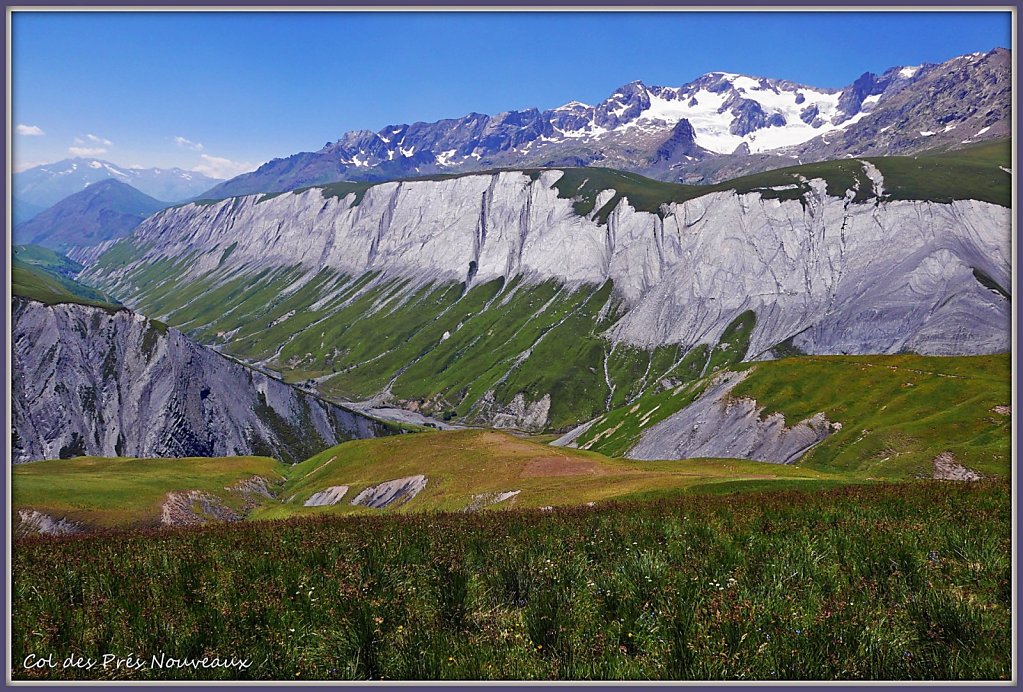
{"x": 223, "y": 92}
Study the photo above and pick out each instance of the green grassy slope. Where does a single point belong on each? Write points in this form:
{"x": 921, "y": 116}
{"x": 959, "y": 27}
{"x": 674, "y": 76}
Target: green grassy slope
{"x": 34, "y": 283}
{"x": 883, "y": 582}
{"x": 103, "y": 492}
{"x": 120, "y": 492}
{"x": 354, "y": 337}
{"x": 45, "y": 258}
{"x": 897, "y": 412}
{"x": 461, "y": 464}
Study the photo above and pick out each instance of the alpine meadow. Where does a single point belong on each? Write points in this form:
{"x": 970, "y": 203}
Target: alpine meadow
{"x": 705, "y": 382}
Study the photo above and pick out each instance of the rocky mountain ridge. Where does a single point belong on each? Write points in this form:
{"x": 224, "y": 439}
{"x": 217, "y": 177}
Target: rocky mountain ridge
{"x": 40, "y": 187}
{"x": 716, "y": 127}
{"x": 89, "y": 381}
{"x": 103, "y": 210}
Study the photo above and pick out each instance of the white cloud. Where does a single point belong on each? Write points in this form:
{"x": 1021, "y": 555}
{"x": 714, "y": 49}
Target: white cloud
{"x": 93, "y": 139}
{"x": 89, "y": 145}
{"x": 188, "y": 144}
{"x": 86, "y": 151}
{"x": 217, "y": 167}
{"x": 29, "y": 130}
{"x": 19, "y": 167}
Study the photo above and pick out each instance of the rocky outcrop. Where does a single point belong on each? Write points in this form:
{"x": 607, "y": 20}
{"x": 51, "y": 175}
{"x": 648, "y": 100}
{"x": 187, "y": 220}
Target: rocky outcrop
{"x": 681, "y": 142}
{"x": 964, "y": 100}
{"x": 482, "y": 500}
{"x": 327, "y": 496}
{"x": 946, "y": 468}
{"x": 518, "y": 414}
{"x": 719, "y": 425}
{"x": 35, "y": 523}
{"x": 193, "y": 508}
{"x": 254, "y": 491}
{"x": 90, "y": 381}
{"x": 569, "y": 438}
{"x": 391, "y": 493}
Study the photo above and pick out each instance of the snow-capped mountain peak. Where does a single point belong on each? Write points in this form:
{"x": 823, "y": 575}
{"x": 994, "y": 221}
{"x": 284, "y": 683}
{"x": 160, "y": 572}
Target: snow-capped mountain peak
{"x": 674, "y": 132}
{"x": 572, "y": 106}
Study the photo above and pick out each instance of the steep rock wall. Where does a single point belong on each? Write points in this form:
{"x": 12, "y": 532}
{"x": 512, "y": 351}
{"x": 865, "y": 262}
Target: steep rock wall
{"x": 832, "y": 275}
{"x": 87, "y": 381}
{"x": 719, "y": 425}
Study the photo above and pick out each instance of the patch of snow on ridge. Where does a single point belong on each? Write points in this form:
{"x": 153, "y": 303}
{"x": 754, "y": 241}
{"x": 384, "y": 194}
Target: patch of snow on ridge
{"x": 712, "y": 127}
{"x": 853, "y": 120}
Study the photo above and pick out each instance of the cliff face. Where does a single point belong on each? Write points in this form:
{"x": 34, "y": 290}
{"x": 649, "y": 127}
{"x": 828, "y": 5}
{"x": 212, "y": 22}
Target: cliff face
{"x": 88, "y": 381}
{"x": 833, "y": 275}
{"x": 719, "y": 425}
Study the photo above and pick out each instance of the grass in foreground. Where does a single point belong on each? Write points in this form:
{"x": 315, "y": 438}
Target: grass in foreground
{"x": 908, "y": 581}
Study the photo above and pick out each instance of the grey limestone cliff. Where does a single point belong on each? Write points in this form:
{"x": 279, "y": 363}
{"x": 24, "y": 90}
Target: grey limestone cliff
{"x": 98, "y": 382}
{"x": 720, "y": 425}
{"x": 833, "y": 275}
